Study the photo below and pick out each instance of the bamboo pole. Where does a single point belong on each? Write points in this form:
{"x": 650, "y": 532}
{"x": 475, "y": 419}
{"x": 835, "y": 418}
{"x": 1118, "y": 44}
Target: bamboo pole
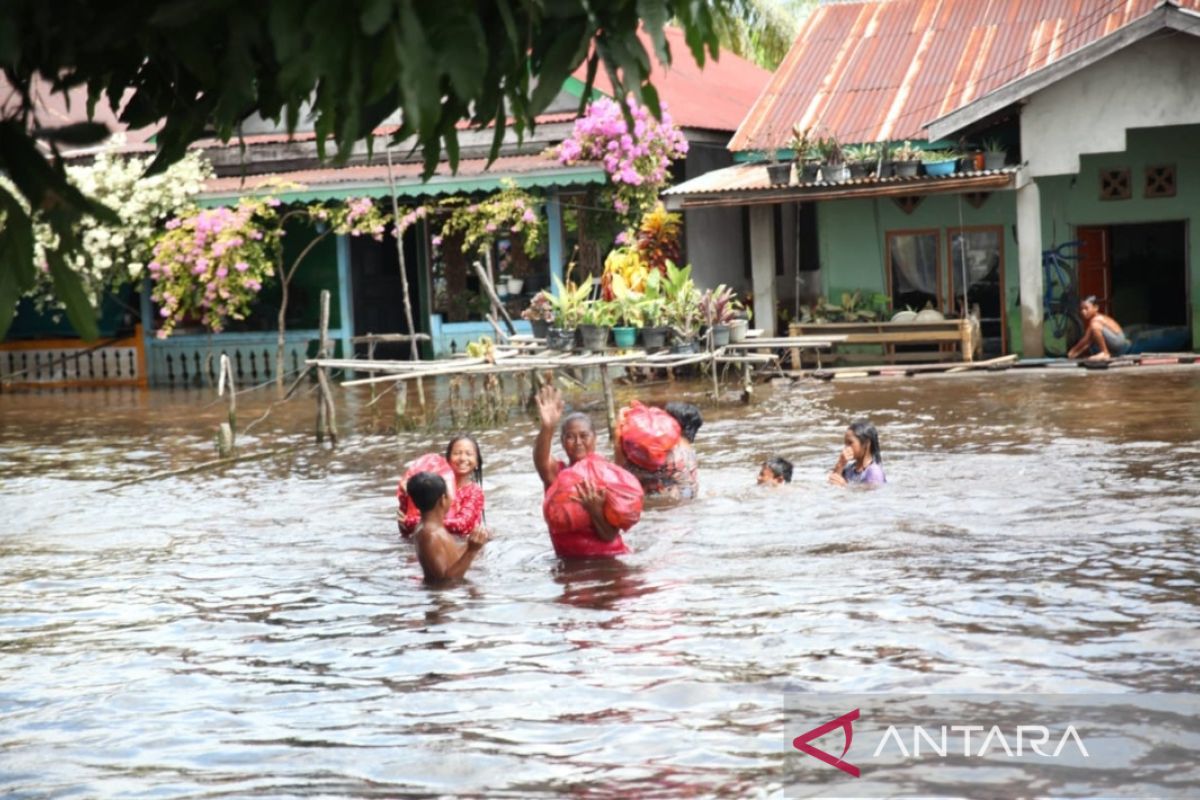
{"x": 326, "y": 413}
{"x": 610, "y": 405}
{"x": 226, "y": 433}
{"x": 486, "y": 281}
{"x": 408, "y": 315}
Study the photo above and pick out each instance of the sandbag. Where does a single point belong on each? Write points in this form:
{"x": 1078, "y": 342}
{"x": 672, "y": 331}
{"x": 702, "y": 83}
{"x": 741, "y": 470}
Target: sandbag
{"x": 647, "y": 435}
{"x": 571, "y": 530}
{"x": 430, "y": 462}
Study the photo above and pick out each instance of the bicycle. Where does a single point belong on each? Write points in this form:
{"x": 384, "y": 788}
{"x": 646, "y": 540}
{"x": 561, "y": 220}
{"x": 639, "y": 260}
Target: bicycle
{"x": 1062, "y": 324}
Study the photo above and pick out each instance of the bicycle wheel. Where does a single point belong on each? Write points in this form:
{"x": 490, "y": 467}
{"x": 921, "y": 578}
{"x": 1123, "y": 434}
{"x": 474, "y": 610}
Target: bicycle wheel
{"x": 1060, "y": 331}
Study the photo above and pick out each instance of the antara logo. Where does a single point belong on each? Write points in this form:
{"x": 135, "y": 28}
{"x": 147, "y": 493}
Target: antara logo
{"x": 844, "y": 722}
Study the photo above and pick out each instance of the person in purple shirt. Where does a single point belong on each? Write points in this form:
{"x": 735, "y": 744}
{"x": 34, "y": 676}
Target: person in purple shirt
{"x": 860, "y": 462}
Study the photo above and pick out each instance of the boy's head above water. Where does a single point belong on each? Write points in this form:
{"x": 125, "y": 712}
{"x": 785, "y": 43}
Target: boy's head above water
{"x": 428, "y": 491}
{"x": 775, "y": 472}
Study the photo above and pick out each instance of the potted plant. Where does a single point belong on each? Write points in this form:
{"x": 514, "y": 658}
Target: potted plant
{"x": 939, "y": 163}
{"x": 598, "y": 318}
{"x": 739, "y": 323}
{"x": 568, "y": 304}
{"x": 540, "y": 314}
{"x": 907, "y": 160}
{"x": 716, "y": 308}
{"x": 833, "y": 160}
{"x": 863, "y": 160}
{"x": 807, "y": 159}
{"x": 630, "y": 314}
{"x": 994, "y": 154}
{"x": 779, "y": 173}
{"x": 681, "y": 309}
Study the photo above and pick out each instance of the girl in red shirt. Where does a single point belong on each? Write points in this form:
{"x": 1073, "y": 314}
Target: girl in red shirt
{"x": 466, "y": 511}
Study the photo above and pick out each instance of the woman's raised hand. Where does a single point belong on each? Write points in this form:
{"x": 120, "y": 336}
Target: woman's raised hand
{"x": 550, "y": 405}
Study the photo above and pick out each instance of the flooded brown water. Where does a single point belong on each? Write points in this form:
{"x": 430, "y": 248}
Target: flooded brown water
{"x": 260, "y": 630}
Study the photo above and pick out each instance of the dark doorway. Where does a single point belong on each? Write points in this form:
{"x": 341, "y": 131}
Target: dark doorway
{"x": 1149, "y": 274}
{"x": 378, "y": 295}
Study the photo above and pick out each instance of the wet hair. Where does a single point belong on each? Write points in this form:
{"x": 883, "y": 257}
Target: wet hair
{"x": 1091, "y": 299}
{"x": 864, "y": 431}
{"x": 426, "y": 489}
{"x": 688, "y": 417}
{"x": 577, "y": 416}
{"x": 780, "y": 468}
{"x": 458, "y": 437}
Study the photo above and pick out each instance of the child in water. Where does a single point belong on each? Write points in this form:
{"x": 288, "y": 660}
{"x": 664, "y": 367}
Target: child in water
{"x": 443, "y": 557}
{"x": 466, "y": 509}
{"x": 775, "y": 471}
{"x": 860, "y": 462}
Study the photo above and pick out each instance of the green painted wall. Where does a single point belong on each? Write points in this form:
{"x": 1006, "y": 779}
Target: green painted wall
{"x": 1071, "y": 200}
{"x": 852, "y": 237}
{"x": 318, "y": 271}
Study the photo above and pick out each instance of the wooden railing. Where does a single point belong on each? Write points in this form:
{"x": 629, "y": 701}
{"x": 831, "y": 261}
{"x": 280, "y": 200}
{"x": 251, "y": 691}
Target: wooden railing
{"x": 955, "y": 338}
{"x": 69, "y": 363}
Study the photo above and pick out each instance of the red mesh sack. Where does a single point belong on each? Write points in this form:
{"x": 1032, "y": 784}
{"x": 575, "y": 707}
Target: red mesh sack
{"x": 430, "y": 462}
{"x": 571, "y": 530}
{"x": 647, "y": 435}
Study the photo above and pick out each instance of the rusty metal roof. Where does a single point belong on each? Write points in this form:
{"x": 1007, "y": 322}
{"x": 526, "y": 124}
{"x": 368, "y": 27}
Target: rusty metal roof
{"x": 716, "y": 97}
{"x": 748, "y": 184}
{"x": 881, "y": 69}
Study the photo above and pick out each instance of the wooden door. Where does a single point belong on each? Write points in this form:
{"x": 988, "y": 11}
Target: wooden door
{"x": 1095, "y": 265}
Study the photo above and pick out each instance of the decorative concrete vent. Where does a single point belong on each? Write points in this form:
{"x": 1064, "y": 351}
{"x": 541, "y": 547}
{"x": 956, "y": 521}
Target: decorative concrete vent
{"x": 1160, "y": 181}
{"x": 1114, "y": 184}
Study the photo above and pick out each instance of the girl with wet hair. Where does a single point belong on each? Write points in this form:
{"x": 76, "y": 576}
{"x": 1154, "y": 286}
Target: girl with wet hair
{"x": 466, "y": 510}
{"x": 860, "y": 462}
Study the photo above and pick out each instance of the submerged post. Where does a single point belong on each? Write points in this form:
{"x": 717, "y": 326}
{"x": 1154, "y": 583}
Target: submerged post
{"x": 326, "y": 415}
{"x": 225, "y": 435}
{"x": 610, "y": 405}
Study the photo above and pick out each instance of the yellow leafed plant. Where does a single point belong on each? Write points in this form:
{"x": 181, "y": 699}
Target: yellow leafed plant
{"x": 626, "y": 263}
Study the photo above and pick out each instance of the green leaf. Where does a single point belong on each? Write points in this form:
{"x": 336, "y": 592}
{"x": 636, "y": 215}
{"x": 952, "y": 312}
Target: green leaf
{"x": 463, "y": 54}
{"x": 68, "y": 288}
{"x": 79, "y": 133}
{"x": 16, "y": 243}
{"x": 375, "y": 16}
{"x": 10, "y": 295}
{"x": 566, "y": 52}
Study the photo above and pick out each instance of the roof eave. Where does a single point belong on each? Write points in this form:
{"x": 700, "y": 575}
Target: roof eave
{"x": 1166, "y": 16}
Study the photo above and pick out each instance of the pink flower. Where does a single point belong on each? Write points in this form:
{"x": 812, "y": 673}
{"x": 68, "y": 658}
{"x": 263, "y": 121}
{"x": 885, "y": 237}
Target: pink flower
{"x": 241, "y": 266}
{"x": 529, "y": 216}
{"x": 436, "y": 241}
{"x": 222, "y": 272}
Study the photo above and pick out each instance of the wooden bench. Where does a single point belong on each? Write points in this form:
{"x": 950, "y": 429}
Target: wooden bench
{"x": 953, "y": 334}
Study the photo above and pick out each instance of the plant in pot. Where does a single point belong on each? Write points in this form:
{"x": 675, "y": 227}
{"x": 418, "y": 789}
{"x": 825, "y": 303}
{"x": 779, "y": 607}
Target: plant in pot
{"x": 681, "y": 309}
{"x": 654, "y": 327}
{"x": 833, "y": 160}
{"x": 595, "y": 323}
{"x": 540, "y": 314}
{"x": 630, "y": 313}
{"x": 779, "y": 173}
{"x": 716, "y": 309}
{"x": 804, "y": 148}
{"x": 863, "y": 160}
{"x": 994, "y": 153}
{"x": 739, "y": 322}
{"x": 939, "y": 163}
{"x": 906, "y": 160}
{"x": 567, "y": 303}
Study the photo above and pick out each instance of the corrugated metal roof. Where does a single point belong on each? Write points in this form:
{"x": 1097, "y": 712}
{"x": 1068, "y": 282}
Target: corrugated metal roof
{"x": 714, "y": 98}
{"x": 744, "y": 184}
{"x": 881, "y": 69}
{"x": 372, "y": 180}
